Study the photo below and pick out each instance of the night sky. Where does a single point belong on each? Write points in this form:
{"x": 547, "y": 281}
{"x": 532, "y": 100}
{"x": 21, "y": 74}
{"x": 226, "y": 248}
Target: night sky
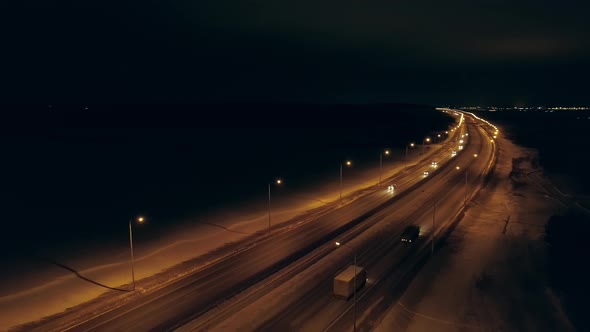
{"x": 501, "y": 52}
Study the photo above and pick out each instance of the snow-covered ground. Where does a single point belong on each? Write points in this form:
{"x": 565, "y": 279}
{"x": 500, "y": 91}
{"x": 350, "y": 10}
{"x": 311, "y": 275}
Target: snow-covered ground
{"x": 490, "y": 275}
{"x": 50, "y": 289}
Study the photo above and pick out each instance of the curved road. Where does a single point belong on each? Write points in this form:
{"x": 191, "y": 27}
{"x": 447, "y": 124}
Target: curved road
{"x": 188, "y": 298}
{"x": 315, "y": 309}
{"x": 389, "y": 259}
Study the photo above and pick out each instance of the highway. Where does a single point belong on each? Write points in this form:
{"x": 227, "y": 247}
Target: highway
{"x": 313, "y": 308}
{"x": 186, "y": 299}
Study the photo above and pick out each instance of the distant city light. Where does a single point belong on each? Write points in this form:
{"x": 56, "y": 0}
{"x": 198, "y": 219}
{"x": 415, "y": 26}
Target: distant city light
{"x": 525, "y": 109}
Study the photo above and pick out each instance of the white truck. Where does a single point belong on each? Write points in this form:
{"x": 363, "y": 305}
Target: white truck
{"x": 344, "y": 282}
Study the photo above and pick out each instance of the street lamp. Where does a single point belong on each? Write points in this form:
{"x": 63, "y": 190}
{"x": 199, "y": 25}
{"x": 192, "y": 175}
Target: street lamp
{"x": 354, "y": 282}
{"x": 348, "y": 163}
{"x": 433, "y": 218}
{"x": 381, "y": 163}
{"x": 409, "y": 145}
{"x": 465, "y": 200}
{"x": 427, "y": 139}
{"x": 139, "y": 220}
{"x": 438, "y": 137}
{"x": 278, "y": 181}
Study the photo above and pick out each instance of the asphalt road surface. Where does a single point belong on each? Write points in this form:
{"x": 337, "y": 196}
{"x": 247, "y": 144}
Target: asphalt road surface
{"x": 383, "y": 255}
{"x": 188, "y": 298}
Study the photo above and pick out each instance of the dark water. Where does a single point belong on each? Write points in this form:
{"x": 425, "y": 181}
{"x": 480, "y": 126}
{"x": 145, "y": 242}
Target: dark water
{"x": 72, "y": 176}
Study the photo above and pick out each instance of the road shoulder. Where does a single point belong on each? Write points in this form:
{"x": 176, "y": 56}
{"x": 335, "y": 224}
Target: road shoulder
{"x": 490, "y": 273}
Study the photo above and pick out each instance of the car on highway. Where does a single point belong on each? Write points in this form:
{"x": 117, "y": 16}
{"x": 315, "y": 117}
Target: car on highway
{"x": 434, "y": 164}
{"x": 460, "y": 147}
{"x": 410, "y": 234}
{"x": 454, "y": 153}
{"x": 425, "y": 173}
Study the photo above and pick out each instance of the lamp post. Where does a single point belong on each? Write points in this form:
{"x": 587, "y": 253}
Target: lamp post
{"x": 354, "y": 281}
{"x": 427, "y": 139}
{"x": 381, "y": 164}
{"x": 278, "y": 181}
{"x": 409, "y": 145}
{"x": 465, "y": 199}
{"x": 348, "y": 163}
{"x": 465, "y": 203}
{"x": 139, "y": 220}
{"x": 433, "y": 220}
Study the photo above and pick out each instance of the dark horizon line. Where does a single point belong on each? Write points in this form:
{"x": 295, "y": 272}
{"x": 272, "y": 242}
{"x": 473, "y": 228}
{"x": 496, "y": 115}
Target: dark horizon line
{"x": 99, "y": 105}
{"x": 214, "y": 115}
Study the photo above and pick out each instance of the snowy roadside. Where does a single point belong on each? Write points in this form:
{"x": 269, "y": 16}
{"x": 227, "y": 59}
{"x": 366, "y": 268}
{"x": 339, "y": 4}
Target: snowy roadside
{"x": 490, "y": 275}
{"x": 68, "y": 296}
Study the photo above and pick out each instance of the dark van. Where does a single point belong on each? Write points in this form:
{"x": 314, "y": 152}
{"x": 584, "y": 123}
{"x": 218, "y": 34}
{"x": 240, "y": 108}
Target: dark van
{"x": 411, "y": 234}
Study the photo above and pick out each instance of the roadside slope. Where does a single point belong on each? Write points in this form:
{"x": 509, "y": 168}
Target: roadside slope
{"x": 490, "y": 275}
